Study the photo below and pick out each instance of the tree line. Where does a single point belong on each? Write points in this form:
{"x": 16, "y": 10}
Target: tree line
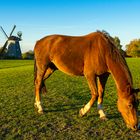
{"x": 132, "y": 49}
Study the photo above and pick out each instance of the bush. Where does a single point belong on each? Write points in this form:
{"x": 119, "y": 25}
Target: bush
{"x": 28, "y": 55}
{"x": 133, "y": 48}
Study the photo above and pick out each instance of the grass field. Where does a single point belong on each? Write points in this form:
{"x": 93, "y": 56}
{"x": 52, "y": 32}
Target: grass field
{"x": 66, "y": 95}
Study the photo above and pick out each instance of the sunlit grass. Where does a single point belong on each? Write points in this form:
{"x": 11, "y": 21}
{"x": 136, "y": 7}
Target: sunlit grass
{"x": 66, "y": 95}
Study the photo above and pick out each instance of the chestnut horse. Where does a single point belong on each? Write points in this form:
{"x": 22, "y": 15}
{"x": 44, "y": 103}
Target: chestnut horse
{"x": 94, "y": 56}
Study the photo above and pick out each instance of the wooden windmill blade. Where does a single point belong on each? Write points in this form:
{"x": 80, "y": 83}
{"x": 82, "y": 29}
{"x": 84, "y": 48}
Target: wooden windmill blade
{"x": 4, "y": 32}
{"x": 13, "y": 30}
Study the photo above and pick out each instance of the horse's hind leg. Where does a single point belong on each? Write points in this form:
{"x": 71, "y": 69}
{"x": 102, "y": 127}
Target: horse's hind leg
{"x": 94, "y": 93}
{"x": 101, "y": 87}
{"x": 40, "y": 86}
{"x": 38, "y": 82}
{"x": 48, "y": 73}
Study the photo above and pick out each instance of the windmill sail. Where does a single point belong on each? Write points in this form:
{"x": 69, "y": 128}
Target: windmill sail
{"x": 4, "y": 32}
{"x": 13, "y": 30}
{"x": 3, "y": 49}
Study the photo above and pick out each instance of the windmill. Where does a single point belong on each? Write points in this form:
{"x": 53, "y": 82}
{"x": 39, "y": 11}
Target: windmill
{"x": 12, "y": 45}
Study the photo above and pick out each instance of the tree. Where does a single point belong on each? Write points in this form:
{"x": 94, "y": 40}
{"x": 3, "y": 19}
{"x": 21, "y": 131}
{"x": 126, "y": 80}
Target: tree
{"x": 117, "y": 42}
{"x": 28, "y": 55}
{"x": 133, "y": 48}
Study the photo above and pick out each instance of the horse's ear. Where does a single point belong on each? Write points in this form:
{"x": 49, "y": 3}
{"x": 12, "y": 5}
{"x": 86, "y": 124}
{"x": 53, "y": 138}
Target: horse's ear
{"x": 135, "y": 90}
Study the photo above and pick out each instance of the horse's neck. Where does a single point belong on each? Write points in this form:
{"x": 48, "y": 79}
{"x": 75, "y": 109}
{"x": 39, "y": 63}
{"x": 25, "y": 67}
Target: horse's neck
{"x": 121, "y": 75}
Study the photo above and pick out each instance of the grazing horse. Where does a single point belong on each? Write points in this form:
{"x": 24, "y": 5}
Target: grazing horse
{"x": 94, "y": 56}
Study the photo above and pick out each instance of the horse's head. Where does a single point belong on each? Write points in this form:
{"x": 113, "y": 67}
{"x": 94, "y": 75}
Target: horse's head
{"x": 128, "y": 106}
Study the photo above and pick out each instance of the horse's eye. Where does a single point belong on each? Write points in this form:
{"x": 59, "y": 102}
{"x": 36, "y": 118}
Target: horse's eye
{"x": 130, "y": 106}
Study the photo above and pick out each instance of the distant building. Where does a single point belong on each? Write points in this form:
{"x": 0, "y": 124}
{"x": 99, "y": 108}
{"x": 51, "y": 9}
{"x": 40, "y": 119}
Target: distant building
{"x": 11, "y": 48}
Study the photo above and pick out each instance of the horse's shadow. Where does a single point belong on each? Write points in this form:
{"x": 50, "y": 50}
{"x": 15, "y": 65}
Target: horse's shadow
{"x": 76, "y": 108}
{"x": 63, "y": 108}
{"x": 113, "y": 116}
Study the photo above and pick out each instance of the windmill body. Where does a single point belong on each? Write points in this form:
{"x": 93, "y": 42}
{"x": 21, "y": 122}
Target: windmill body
{"x": 14, "y": 50}
{"x": 12, "y": 45}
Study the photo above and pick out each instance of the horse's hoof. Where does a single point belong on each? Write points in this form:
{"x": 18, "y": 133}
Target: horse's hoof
{"x": 35, "y": 105}
{"x": 81, "y": 114}
{"x": 104, "y": 118}
{"x": 40, "y": 112}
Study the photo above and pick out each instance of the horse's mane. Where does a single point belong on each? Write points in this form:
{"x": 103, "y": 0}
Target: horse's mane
{"x": 115, "y": 53}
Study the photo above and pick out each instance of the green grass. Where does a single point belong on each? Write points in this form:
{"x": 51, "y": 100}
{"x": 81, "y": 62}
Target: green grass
{"x": 14, "y": 63}
{"x": 66, "y": 95}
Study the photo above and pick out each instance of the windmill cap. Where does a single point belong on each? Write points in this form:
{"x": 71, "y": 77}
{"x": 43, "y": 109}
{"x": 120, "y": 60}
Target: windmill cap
{"x": 14, "y": 38}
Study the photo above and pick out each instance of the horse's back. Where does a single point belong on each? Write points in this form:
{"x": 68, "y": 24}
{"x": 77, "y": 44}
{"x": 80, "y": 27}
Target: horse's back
{"x": 66, "y": 52}
{"x": 70, "y": 53}
{"x": 65, "y": 43}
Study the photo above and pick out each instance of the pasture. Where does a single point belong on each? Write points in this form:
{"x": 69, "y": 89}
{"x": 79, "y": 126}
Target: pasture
{"x": 66, "y": 95}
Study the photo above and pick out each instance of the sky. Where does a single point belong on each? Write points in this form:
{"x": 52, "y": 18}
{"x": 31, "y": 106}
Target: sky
{"x": 39, "y": 18}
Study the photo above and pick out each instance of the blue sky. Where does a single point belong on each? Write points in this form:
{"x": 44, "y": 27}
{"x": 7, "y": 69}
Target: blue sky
{"x": 38, "y": 18}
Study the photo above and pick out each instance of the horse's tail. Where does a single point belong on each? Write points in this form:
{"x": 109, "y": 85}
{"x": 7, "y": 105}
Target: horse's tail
{"x": 35, "y": 70}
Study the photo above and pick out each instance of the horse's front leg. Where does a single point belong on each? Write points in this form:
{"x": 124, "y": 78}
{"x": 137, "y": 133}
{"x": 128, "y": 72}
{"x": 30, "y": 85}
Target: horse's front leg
{"x": 94, "y": 93}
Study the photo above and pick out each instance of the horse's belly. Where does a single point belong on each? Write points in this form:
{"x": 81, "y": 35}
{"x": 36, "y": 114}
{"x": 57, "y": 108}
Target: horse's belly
{"x": 69, "y": 67}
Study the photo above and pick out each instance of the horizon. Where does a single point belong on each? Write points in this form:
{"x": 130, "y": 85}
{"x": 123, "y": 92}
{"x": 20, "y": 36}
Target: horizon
{"x": 39, "y": 18}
